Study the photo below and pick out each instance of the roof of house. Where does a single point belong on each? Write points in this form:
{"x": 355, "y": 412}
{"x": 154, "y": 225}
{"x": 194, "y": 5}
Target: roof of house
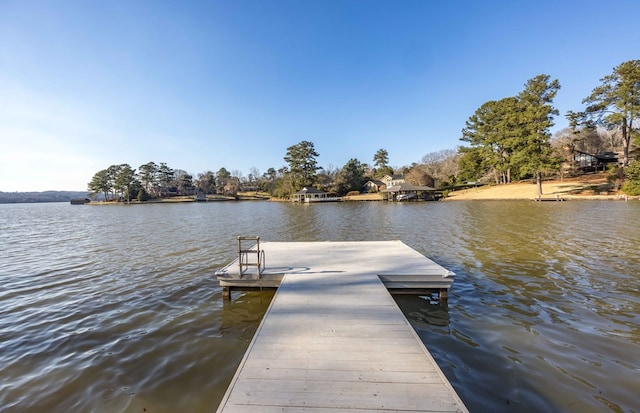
{"x": 309, "y": 190}
{"x": 404, "y": 187}
{"x": 375, "y": 181}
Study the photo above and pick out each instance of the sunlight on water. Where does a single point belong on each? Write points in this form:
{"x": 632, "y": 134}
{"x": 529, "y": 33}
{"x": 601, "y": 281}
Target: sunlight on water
{"x": 115, "y": 308}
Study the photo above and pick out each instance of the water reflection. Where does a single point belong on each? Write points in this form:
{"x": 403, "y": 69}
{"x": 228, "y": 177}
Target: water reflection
{"x": 423, "y": 309}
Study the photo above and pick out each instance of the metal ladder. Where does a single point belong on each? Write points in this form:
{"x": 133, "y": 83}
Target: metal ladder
{"x": 250, "y": 256}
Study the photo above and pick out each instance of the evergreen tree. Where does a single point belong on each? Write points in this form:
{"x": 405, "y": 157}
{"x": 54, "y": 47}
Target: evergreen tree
{"x": 165, "y": 176}
{"x": 381, "y": 158}
{"x": 112, "y": 173}
{"x": 381, "y": 164}
{"x": 126, "y": 181}
{"x": 493, "y": 131}
{"x": 512, "y": 136}
{"x": 534, "y": 153}
{"x": 148, "y": 174}
{"x": 222, "y": 176}
{"x": 100, "y": 183}
{"x": 351, "y": 177}
{"x": 302, "y": 164}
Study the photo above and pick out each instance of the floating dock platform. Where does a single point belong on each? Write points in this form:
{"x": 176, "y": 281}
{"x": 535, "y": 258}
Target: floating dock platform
{"x": 401, "y": 269}
{"x": 333, "y": 338}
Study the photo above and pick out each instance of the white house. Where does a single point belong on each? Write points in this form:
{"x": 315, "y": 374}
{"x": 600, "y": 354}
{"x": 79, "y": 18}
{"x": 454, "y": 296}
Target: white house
{"x": 309, "y": 194}
{"x": 393, "y": 180}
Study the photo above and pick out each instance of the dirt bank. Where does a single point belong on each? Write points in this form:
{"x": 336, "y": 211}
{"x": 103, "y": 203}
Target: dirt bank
{"x": 593, "y": 186}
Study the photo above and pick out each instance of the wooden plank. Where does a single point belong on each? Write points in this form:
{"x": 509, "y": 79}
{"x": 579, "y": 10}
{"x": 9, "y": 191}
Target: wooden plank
{"x": 344, "y": 363}
{"x": 335, "y": 329}
{"x": 286, "y": 409}
{"x": 344, "y": 395}
{"x": 347, "y": 373}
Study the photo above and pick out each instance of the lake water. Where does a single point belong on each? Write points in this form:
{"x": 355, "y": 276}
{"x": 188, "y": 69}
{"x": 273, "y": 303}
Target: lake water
{"x": 115, "y": 308}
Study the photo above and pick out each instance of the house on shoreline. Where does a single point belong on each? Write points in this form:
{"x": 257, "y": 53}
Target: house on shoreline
{"x": 311, "y": 194}
{"x": 408, "y": 192}
{"x": 373, "y": 185}
{"x": 383, "y": 183}
{"x": 393, "y": 180}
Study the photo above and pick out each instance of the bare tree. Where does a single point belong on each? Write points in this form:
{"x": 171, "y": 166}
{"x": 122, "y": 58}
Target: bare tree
{"x": 442, "y": 165}
{"x": 419, "y": 175}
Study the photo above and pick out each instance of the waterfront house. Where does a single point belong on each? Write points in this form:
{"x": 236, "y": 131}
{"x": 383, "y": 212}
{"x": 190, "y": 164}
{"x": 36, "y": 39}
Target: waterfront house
{"x": 373, "y": 186}
{"x": 309, "y": 194}
{"x": 393, "y": 180}
{"x": 575, "y": 160}
{"x": 406, "y": 192}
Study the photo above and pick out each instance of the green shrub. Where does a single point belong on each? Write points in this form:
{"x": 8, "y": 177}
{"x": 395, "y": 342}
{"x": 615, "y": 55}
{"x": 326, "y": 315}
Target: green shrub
{"x": 633, "y": 171}
{"x": 631, "y": 188}
{"x": 632, "y": 184}
{"x": 142, "y": 195}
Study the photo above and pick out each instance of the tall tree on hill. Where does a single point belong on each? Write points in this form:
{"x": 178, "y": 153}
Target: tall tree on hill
{"x": 512, "y": 135}
{"x": 493, "y": 132}
{"x": 302, "y": 164}
{"x": 381, "y": 164}
{"x": 614, "y": 104}
{"x": 534, "y": 153}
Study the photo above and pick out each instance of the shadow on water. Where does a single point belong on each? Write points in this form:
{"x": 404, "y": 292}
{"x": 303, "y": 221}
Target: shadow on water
{"x": 423, "y": 310}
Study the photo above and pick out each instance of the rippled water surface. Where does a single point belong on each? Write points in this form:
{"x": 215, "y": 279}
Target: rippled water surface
{"x": 115, "y": 308}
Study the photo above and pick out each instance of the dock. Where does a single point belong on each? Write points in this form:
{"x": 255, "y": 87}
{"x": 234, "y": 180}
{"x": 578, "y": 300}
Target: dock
{"x": 333, "y": 338}
{"x": 402, "y": 269}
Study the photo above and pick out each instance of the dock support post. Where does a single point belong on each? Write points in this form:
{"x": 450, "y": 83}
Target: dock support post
{"x": 226, "y": 293}
{"x": 444, "y": 295}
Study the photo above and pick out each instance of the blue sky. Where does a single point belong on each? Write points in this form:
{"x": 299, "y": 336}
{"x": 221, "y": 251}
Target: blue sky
{"x": 205, "y": 85}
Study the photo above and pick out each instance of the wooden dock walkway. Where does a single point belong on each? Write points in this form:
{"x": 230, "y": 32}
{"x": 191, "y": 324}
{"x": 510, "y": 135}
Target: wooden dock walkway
{"x": 334, "y": 340}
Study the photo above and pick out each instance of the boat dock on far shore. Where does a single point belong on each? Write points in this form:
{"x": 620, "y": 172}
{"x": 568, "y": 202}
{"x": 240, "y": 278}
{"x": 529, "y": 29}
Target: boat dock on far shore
{"x": 333, "y": 338}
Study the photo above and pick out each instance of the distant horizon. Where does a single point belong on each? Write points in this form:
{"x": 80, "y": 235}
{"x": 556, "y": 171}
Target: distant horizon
{"x": 232, "y": 84}
{"x": 46, "y": 190}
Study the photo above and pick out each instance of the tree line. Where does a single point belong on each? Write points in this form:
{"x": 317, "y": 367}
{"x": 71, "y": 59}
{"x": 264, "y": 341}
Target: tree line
{"x": 507, "y": 139}
{"x": 152, "y": 180}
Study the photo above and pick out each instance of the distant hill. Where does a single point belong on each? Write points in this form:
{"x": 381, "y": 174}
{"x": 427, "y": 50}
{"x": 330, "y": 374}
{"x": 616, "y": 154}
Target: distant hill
{"x": 46, "y": 196}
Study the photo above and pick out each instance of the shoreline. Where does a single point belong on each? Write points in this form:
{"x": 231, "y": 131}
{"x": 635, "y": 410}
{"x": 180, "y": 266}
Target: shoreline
{"x": 586, "y": 188}
{"x": 592, "y": 187}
